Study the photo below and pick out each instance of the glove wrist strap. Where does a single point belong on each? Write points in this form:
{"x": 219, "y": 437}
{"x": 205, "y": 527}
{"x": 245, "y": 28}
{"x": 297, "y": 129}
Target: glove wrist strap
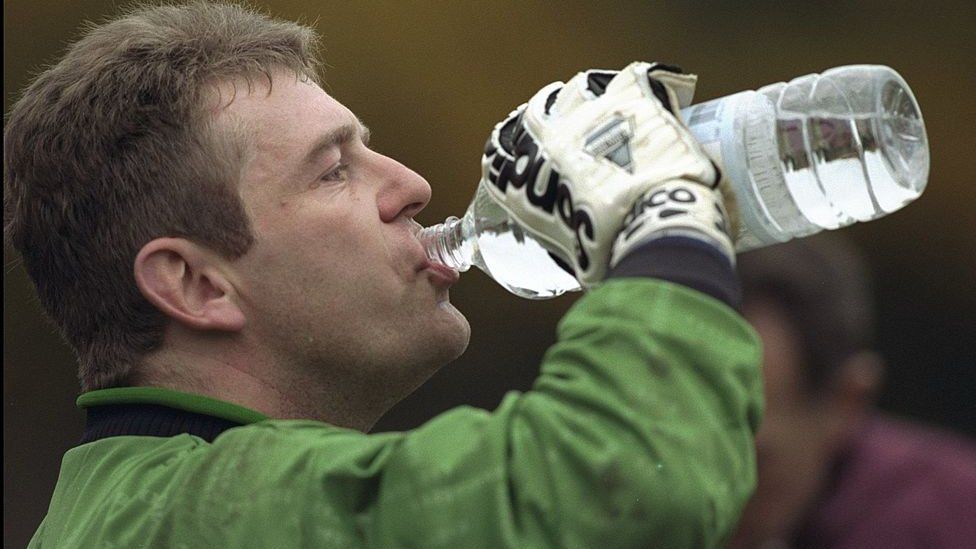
{"x": 675, "y": 208}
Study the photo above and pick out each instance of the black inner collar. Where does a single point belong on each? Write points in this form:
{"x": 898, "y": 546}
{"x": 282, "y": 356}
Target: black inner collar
{"x": 153, "y": 420}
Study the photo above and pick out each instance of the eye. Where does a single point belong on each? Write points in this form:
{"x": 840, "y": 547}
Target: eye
{"x": 338, "y": 174}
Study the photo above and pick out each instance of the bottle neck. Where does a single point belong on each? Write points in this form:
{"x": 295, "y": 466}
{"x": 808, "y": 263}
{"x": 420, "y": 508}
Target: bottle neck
{"x": 444, "y": 244}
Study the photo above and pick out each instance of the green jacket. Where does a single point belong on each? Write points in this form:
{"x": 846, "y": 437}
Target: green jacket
{"x": 637, "y": 433}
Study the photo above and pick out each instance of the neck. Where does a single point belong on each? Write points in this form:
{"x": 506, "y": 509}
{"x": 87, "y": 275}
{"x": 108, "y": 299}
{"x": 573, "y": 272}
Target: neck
{"x": 263, "y": 387}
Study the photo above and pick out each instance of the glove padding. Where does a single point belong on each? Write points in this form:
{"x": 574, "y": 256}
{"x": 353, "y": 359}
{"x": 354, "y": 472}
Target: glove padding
{"x": 571, "y": 164}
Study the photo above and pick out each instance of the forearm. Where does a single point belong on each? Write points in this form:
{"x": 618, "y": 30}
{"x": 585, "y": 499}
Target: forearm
{"x": 646, "y": 419}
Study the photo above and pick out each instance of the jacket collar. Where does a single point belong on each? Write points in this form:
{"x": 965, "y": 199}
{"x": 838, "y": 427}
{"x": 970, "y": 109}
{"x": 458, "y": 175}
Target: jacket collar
{"x": 154, "y": 411}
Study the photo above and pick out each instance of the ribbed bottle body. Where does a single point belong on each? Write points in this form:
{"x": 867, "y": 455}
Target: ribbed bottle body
{"x": 819, "y": 152}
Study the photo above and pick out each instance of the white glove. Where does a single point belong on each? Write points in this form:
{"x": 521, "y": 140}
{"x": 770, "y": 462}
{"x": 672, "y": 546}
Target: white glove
{"x": 578, "y": 162}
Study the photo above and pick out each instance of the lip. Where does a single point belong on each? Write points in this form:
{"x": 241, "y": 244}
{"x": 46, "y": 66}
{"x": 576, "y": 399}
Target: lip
{"x": 441, "y": 275}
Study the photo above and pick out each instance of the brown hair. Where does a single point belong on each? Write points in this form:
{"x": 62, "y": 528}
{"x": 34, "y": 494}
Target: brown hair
{"x": 113, "y": 146}
{"x": 823, "y": 285}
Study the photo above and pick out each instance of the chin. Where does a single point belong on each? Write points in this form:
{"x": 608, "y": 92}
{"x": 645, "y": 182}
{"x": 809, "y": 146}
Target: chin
{"x": 428, "y": 342}
{"x": 444, "y": 338}
{"x": 454, "y": 336}
{"x": 438, "y": 346}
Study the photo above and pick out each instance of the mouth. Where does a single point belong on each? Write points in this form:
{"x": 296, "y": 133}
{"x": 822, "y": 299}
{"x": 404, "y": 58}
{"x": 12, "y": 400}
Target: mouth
{"x": 440, "y": 275}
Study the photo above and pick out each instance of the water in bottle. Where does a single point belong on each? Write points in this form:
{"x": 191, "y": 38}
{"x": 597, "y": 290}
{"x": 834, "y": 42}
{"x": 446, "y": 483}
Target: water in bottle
{"x": 819, "y": 152}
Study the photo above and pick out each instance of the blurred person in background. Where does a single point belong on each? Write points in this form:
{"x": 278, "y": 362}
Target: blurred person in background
{"x": 834, "y": 471}
{"x": 241, "y": 279}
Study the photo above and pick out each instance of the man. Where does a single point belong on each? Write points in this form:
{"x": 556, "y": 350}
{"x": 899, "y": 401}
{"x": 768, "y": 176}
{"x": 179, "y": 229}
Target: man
{"x": 241, "y": 279}
{"x": 833, "y": 471}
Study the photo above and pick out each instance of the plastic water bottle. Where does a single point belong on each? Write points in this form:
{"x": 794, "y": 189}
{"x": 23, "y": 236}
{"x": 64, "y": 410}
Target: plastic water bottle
{"x": 819, "y": 152}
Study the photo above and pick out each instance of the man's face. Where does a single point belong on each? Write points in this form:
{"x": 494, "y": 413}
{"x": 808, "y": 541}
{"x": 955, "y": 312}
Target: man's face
{"x": 795, "y": 442}
{"x": 336, "y": 283}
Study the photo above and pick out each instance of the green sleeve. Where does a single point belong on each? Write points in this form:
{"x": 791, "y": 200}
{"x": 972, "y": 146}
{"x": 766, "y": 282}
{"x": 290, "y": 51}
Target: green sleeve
{"x": 638, "y": 432}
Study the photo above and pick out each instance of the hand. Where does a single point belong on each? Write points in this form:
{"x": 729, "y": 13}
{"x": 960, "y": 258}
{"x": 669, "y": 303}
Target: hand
{"x": 579, "y": 160}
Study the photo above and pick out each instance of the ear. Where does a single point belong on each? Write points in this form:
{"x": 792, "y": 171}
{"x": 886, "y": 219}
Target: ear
{"x": 185, "y": 282}
{"x": 853, "y": 392}
{"x": 858, "y": 381}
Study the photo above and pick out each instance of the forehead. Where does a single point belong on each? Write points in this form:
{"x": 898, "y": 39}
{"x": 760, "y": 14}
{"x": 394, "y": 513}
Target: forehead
{"x": 281, "y": 110}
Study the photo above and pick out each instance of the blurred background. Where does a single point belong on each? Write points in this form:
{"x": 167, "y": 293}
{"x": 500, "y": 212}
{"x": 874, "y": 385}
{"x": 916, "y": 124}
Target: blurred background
{"x": 432, "y": 78}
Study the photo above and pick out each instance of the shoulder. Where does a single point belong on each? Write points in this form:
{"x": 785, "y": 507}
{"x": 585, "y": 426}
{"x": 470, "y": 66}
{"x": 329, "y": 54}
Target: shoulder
{"x": 915, "y": 454}
{"x": 904, "y": 484}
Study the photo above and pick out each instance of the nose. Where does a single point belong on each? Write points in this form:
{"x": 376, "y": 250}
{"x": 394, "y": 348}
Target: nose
{"x": 404, "y": 192}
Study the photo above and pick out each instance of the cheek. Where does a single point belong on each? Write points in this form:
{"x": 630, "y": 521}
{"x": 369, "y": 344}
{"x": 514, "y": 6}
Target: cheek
{"x": 295, "y": 250}
{"x": 333, "y": 243}
{"x": 324, "y": 235}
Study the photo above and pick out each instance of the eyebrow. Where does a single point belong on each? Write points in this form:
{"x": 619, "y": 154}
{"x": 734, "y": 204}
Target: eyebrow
{"x": 334, "y": 138}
